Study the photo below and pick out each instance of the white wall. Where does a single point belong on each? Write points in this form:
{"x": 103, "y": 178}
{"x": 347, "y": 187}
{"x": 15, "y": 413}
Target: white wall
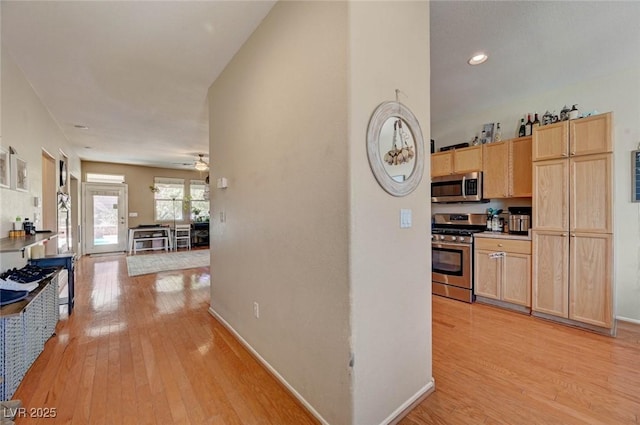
{"x": 278, "y": 133}
{"x": 309, "y": 234}
{"x": 390, "y": 267}
{"x": 28, "y": 127}
{"x": 618, "y": 92}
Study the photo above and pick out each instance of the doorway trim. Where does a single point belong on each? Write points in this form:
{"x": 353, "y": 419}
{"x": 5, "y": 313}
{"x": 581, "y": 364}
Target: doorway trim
{"x": 87, "y": 217}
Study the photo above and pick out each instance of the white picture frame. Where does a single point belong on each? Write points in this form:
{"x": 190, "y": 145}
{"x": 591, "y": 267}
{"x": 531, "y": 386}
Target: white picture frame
{"x": 5, "y": 167}
{"x": 19, "y": 174}
{"x": 488, "y": 133}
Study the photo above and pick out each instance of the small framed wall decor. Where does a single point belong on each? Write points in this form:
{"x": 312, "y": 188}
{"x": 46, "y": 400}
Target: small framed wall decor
{"x": 19, "y": 175}
{"x": 635, "y": 176}
{"x": 63, "y": 173}
{"x": 4, "y": 167}
{"x": 487, "y": 133}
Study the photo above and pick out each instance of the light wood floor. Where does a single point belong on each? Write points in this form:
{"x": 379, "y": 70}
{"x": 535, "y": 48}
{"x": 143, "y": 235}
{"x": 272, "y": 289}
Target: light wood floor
{"x": 497, "y": 367}
{"x": 145, "y": 350}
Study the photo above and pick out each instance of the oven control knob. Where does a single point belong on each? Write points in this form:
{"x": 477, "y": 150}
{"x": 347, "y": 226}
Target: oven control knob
{"x": 461, "y": 238}
{"x": 453, "y": 238}
{"x": 441, "y": 237}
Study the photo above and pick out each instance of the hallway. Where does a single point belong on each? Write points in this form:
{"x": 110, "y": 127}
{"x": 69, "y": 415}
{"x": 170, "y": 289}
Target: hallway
{"x": 145, "y": 350}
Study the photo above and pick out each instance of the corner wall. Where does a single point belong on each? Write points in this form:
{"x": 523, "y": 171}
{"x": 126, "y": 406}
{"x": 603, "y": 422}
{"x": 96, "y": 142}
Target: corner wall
{"x": 390, "y": 267}
{"x": 618, "y": 92}
{"x": 278, "y": 133}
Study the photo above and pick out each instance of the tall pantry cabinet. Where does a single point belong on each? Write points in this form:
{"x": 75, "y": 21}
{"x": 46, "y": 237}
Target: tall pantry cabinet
{"x": 572, "y": 221}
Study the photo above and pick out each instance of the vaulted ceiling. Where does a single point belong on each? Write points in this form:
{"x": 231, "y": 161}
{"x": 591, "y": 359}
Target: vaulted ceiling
{"x": 137, "y": 73}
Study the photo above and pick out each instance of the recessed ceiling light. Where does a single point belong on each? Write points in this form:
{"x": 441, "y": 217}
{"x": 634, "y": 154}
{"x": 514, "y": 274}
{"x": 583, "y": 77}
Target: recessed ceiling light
{"x": 477, "y": 59}
{"x": 81, "y": 127}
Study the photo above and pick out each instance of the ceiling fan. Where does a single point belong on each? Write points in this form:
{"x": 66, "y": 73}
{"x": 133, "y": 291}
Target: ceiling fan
{"x": 199, "y": 164}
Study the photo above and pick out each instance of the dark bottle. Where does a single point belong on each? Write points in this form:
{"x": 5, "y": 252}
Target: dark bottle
{"x": 522, "y": 130}
{"x": 528, "y": 127}
{"x": 536, "y": 121}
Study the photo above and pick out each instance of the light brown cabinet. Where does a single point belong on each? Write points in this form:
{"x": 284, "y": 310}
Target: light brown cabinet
{"x": 572, "y": 221}
{"x": 456, "y": 161}
{"x": 570, "y": 138}
{"x": 503, "y": 270}
{"x": 590, "y": 295}
{"x": 507, "y": 169}
{"x": 550, "y": 273}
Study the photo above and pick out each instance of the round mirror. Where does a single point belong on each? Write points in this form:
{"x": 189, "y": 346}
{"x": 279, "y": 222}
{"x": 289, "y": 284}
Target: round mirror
{"x": 395, "y": 148}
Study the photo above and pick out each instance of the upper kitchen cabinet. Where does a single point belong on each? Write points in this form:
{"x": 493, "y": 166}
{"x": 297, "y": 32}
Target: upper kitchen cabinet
{"x": 551, "y": 141}
{"x": 590, "y": 135}
{"x": 495, "y": 164}
{"x": 456, "y": 161}
{"x": 583, "y": 136}
{"x": 507, "y": 169}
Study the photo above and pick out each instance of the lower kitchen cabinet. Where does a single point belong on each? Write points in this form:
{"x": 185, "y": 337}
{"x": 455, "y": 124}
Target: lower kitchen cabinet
{"x": 572, "y": 277}
{"x": 551, "y": 272}
{"x": 503, "y": 271}
{"x": 590, "y": 279}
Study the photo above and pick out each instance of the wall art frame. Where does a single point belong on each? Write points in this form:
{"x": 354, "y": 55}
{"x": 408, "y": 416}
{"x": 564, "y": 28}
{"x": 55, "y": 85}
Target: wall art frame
{"x": 5, "y": 167}
{"x": 19, "y": 174}
{"x": 382, "y": 113}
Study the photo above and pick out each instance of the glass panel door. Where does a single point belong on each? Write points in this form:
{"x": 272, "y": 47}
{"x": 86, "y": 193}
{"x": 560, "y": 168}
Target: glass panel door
{"x": 106, "y": 217}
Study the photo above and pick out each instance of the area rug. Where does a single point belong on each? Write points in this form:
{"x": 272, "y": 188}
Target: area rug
{"x": 154, "y": 263}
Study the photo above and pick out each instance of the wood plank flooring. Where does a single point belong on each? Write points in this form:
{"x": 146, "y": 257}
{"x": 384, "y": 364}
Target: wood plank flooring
{"x": 144, "y": 350}
{"x": 492, "y": 366}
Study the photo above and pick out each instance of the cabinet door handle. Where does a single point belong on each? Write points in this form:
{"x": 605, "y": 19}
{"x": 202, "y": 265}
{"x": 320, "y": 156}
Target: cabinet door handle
{"x": 563, "y": 235}
{"x": 500, "y": 244}
{"x": 573, "y": 235}
{"x": 564, "y": 154}
{"x": 573, "y": 153}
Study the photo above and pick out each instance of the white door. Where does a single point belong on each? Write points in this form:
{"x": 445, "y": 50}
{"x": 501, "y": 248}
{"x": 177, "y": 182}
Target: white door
{"x": 105, "y": 215}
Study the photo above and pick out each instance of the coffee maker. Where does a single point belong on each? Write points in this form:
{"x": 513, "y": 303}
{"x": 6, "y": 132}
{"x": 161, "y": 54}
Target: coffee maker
{"x": 29, "y": 227}
{"x": 519, "y": 220}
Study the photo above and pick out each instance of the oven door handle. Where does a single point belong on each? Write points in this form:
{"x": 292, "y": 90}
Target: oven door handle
{"x": 449, "y": 245}
{"x": 464, "y": 187}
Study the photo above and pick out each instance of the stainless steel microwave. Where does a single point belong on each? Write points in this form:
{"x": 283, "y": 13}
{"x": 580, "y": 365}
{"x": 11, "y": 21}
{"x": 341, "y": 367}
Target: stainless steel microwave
{"x": 457, "y": 188}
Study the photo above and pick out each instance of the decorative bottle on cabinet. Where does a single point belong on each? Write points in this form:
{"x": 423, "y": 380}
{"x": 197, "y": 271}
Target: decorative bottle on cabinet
{"x": 522, "y": 130}
{"x": 497, "y": 136}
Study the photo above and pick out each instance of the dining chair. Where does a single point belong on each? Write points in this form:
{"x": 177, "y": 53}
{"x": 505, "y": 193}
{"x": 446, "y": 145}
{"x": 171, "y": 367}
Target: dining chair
{"x": 182, "y": 236}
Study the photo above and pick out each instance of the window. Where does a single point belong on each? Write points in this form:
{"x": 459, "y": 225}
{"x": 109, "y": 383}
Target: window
{"x": 104, "y": 178}
{"x": 168, "y": 199}
{"x": 199, "y": 201}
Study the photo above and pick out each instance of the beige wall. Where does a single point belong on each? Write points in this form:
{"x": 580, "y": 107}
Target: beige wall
{"x": 28, "y": 127}
{"x": 138, "y": 179}
{"x": 309, "y": 234}
{"x": 618, "y": 92}
{"x": 390, "y": 267}
{"x": 278, "y": 120}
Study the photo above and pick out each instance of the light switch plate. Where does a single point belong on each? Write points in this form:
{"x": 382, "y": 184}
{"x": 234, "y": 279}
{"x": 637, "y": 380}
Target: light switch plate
{"x": 405, "y": 218}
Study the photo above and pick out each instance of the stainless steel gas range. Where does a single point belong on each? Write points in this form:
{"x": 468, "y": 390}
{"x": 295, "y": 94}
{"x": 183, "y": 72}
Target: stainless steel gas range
{"x": 452, "y": 254}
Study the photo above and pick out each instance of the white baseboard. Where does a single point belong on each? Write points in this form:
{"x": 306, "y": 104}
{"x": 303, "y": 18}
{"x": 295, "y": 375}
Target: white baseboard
{"x": 626, "y": 319}
{"x": 408, "y": 405}
{"x": 393, "y": 418}
{"x": 270, "y": 368}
